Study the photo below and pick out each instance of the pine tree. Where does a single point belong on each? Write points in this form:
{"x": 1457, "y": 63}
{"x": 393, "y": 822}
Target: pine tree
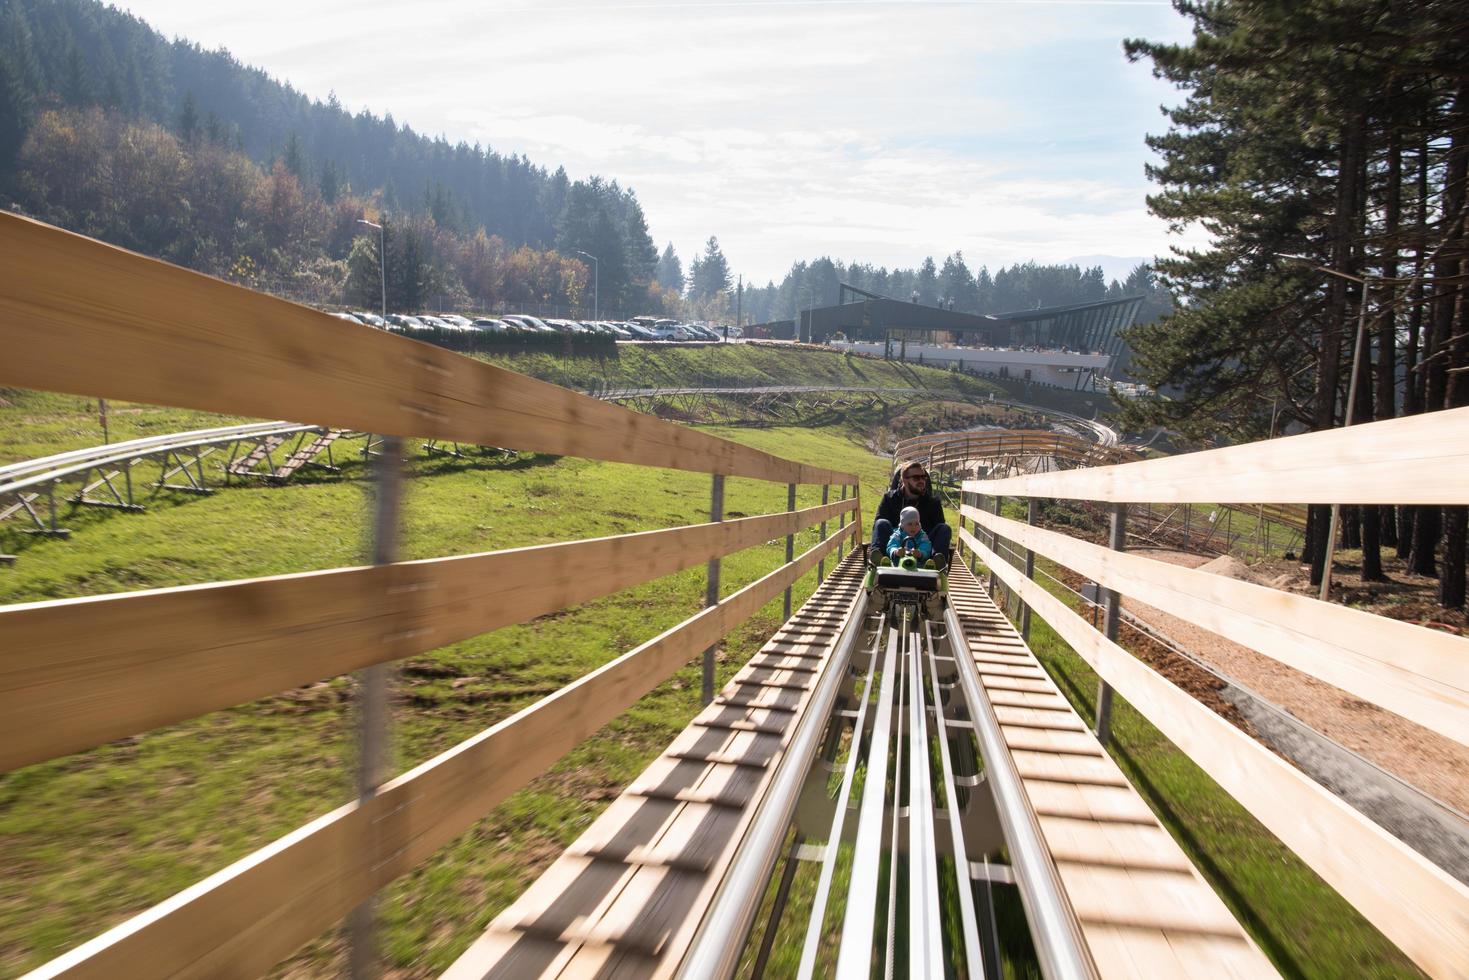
{"x": 927, "y": 283}
{"x": 710, "y": 272}
{"x": 670, "y": 271}
{"x": 188, "y": 121}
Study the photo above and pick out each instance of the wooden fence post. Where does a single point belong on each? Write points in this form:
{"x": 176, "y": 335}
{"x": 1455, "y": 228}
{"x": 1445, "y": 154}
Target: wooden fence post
{"x": 374, "y": 718}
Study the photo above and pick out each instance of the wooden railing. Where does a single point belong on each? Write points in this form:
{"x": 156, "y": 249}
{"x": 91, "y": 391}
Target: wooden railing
{"x": 82, "y": 317}
{"x": 1419, "y": 673}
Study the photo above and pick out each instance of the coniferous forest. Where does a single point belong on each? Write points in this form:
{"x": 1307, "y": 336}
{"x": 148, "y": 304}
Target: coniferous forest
{"x": 1325, "y": 146}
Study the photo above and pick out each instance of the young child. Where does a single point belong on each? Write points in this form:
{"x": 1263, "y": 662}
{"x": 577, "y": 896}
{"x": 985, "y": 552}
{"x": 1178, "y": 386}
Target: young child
{"x": 908, "y": 540}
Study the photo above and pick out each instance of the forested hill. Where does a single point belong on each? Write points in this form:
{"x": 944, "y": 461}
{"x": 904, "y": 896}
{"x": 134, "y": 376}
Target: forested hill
{"x": 1022, "y": 286}
{"x": 109, "y": 129}
{"x": 80, "y": 53}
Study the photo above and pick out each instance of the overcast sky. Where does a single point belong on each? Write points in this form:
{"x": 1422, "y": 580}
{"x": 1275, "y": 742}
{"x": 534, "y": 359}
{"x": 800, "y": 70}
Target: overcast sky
{"x": 877, "y": 130}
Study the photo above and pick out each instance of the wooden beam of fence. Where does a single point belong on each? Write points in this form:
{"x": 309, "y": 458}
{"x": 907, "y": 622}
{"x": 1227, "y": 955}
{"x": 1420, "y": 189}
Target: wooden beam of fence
{"x": 1417, "y": 459}
{"x": 1419, "y": 673}
{"x": 78, "y": 672}
{"x": 1412, "y": 901}
{"x": 81, "y": 316}
{"x": 244, "y": 919}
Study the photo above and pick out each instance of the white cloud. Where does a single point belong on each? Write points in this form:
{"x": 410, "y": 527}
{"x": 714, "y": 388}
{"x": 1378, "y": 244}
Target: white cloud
{"x": 880, "y": 131}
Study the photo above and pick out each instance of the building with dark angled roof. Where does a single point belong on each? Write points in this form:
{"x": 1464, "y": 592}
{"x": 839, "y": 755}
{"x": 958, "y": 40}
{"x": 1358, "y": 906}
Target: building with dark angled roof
{"x": 1068, "y": 345}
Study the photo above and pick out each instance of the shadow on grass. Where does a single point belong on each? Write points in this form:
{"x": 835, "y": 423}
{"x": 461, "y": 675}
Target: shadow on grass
{"x": 438, "y": 465}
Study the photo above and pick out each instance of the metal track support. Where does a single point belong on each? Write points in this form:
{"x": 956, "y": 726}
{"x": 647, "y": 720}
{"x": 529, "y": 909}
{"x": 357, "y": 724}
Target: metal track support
{"x": 1111, "y": 606}
{"x": 711, "y": 588}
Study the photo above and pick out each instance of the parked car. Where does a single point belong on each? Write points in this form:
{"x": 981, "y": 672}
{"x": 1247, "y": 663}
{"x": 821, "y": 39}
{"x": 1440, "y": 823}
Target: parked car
{"x": 348, "y": 317}
{"x": 462, "y": 322}
{"x": 527, "y": 324}
{"x": 371, "y": 319}
{"x": 538, "y": 324}
{"x": 491, "y": 324}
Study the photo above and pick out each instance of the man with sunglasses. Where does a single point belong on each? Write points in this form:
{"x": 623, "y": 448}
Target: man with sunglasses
{"x": 911, "y": 489}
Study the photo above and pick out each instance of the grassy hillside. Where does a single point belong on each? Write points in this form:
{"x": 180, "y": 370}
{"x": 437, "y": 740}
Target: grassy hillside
{"x": 743, "y": 365}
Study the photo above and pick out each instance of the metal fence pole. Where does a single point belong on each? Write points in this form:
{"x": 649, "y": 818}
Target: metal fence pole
{"x": 790, "y": 542}
{"x": 821, "y": 565}
{"x": 974, "y": 527}
{"x": 373, "y": 721}
{"x": 711, "y": 591}
{"x": 1111, "y": 606}
{"x": 1030, "y": 515}
{"x": 994, "y": 543}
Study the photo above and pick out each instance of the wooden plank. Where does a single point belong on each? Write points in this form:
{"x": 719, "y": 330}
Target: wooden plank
{"x": 80, "y": 316}
{"x": 1124, "y": 845}
{"x": 1417, "y": 459}
{"x": 1148, "y": 899}
{"x": 1086, "y": 801}
{"x": 1098, "y": 770}
{"x": 1147, "y": 954}
{"x": 1419, "y": 673}
{"x": 254, "y": 913}
{"x": 78, "y": 672}
{"x": 1413, "y": 902}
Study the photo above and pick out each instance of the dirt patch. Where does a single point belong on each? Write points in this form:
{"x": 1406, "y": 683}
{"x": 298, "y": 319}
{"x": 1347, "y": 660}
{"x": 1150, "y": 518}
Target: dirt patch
{"x": 1201, "y": 685}
{"x": 1229, "y": 566}
{"x": 1435, "y": 764}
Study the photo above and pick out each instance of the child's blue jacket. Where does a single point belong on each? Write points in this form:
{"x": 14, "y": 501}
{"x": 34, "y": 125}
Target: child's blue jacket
{"x": 899, "y": 541}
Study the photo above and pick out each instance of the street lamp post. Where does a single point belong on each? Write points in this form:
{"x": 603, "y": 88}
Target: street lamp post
{"x": 382, "y": 261}
{"x": 596, "y": 284}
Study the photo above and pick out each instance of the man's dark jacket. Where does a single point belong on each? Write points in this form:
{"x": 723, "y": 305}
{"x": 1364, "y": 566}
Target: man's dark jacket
{"x": 930, "y": 511}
